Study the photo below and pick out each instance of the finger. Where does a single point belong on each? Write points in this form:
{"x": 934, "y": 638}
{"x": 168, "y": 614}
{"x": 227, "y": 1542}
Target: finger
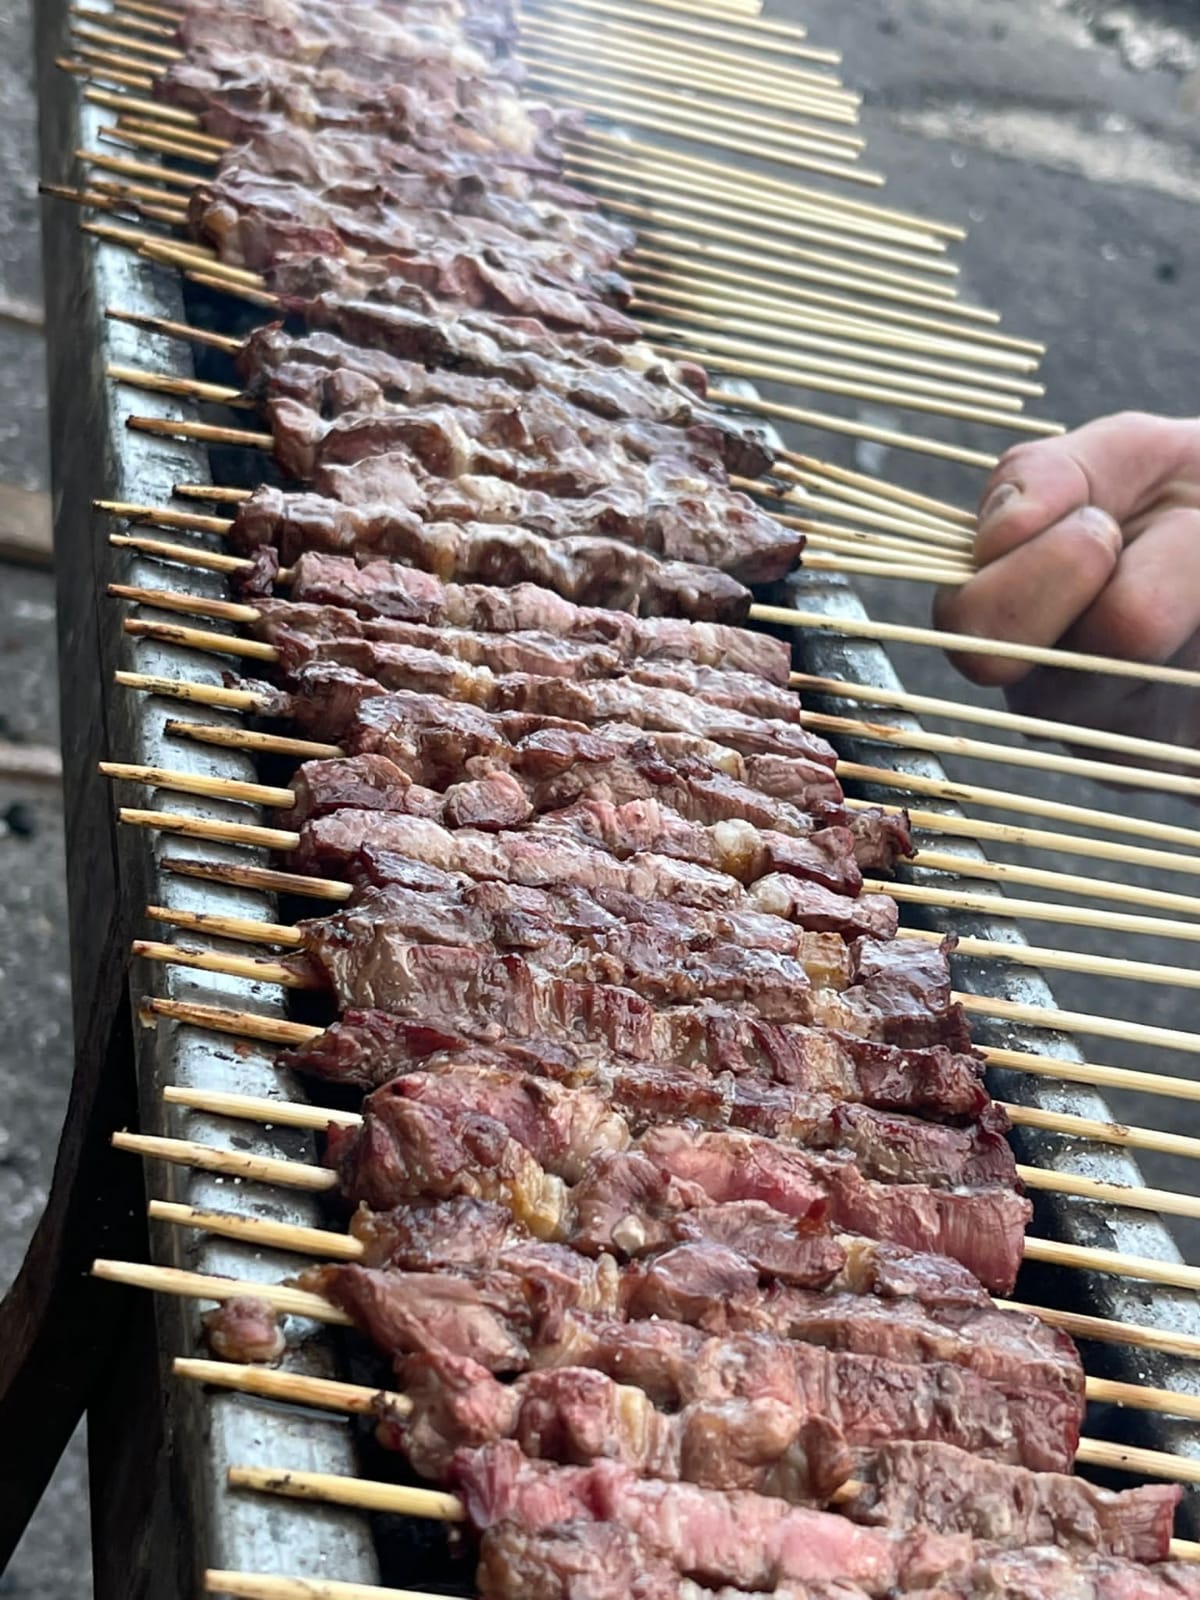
{"x": 1151, "y": 608}
{"x": 1119, "y": 463}
{"x": 1034, "y": 594}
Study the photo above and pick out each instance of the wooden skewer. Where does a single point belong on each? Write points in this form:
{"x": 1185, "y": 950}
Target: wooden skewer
{"x": 989, "y": 717}
{"x": 360, "y": 1492}
{"x": 552, "y": 64}
{"x": 204, "y": 560}
{"x": 1031, "y": 805}
{"x": 200, "y": 1286}
{"x": 167, "y": 383}
{"x": 697, "y": 25}
{"x": 1059, "y": 882}
{"x": 249, "y": 1025}
{"x": 912, "y": 537}
{"x": 322, "y": 1242}
{"x": 1007, "y": 755}
{"x": 1053, "y": 1020}
{"x": 763, "y": 338}
{"x": 138, "y": 169}
{"x": 817, "y": 373}
{"x": 137, "y": 139}
{"x": 919, "y": 894}
{"x": 655, "y": 114}
{"x": 176, "y": 330}
{"x": 883, "y": 497}
{"x": 295, "y": 1114}
{"x": 253, "y": 297}
{"x": 941, "y": 509}
{"x": 734, "y": 294}
{"x": 250, "y": 700}
{"x": 785, "y": 188}
{"x": 144, "y": 8}
{"x": 115, "y": 67}
{"x": 1004, "y": 907}
{"x": 131, "y": 44}
{"x": 256, "y": 968}
{"x": 94, "y": 70}
{"x": 231, "y": 1163}
{"x": 326, "y": 1394}
{"x": 270, "y": 1586}
{"x": 131, "y": 22}
{"x": 197, "y": 605}
{"x": 856, "y": 430}
{"x": 228, "y": 644}
{"x": 872, "y": 510}
{"x": 815, "y": 561}
{"x": 205, "y": 432}
{"x": 780, "y": 268}
{"x": 360, "y": 1400}
{"x": 721, "y": 76}
{"x": 151, "y": 123}
{"x": 810, "y": 318}
{"x": 256, "y": 1109}
{"x": 100, "y": 198}
{"x": 1037, "y": 655}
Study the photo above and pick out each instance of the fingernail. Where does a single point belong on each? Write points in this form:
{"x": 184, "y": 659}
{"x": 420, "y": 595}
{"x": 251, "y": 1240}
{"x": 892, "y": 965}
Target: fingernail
{"x": 1000, "y": 499}
{"x": 1101, "y": 525}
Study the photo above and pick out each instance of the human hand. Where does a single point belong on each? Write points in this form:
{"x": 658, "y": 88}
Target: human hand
{"x": 1091, "y": 541}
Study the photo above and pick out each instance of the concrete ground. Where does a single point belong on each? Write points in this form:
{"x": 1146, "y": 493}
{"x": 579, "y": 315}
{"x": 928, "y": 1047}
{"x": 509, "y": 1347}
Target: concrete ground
{"x": 1064, "y": 133}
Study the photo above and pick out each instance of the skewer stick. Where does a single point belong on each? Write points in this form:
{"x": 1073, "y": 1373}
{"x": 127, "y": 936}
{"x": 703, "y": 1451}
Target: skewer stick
{"x": 809, "y": 317}
{"x": 923, "y": 395}
{"x": 652, "y": 113}
{"x": 697, "y": 24}
{"x": 830, "y": 497}
{"x": 367, "y": 1495}
{"x": 196, "y": 605}
{"x": 167, "y": 383}
{"x": 278, "y": 744}
{"x": 881, "y": 486}
{"x": 735, "y": 294}
{"x": 721, "y": 78}
{"x": 136, "y": 139}
{"x": 130, "y": 121}
{"x": 785, "y": 188}
{"x": 1004, "y": 907}
{"x": 189, "y": 827}
{"x": 231, "y": 1163}
{"x": 296, "y": 1114}
{"x": 249, "y": 1025}
{"x": 257, "y": 969}
{"x": 253, "y": 1108}
{"x": 937, "y": 638}
{"x": 228, "y": 644}
{"x": 131, "y": 43}
{"x": 93, "y": 69}
{"x": 1064, "y": 882}
{"x": 853, "y": 566}
{"x": 205, "y": 432}
{"x": 270, "y": 1586}
{"x": 176, "y": 330}
{"x": 138, "y": 169}
{"x": 166, "y": 517}
{"x": 856, "y": 430}
{"x": 250, "y": 929}
{"x": 159, "y": 112}
{"x": 249, "y": 700}
{"x": 204, "y": 560}
{"x": 551, "y": 64}
{"x": 884, "y": 497}
{"x": 115, "y": 67}
{"x": 987, "y": 716}
{"x": 1031, "y": 805}
{"x": 1053, "y": 1020}
{"x": 130, "y": 21}
{"x": 199, "y": 783}
{"x": 269, "y": 879}
{"x": 761, "y": 338}
{"x": 202, "y": 1286}
{"x": 1006, "y": 755}
{"x": 326, "y": 1394}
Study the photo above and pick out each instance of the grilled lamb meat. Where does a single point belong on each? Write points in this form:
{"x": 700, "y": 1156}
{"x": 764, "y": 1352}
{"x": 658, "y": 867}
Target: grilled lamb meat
{"x": 385, "y": 592}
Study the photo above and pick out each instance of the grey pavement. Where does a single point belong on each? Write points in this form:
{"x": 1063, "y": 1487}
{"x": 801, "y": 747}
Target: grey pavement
{"x": 1065, "y": 132}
